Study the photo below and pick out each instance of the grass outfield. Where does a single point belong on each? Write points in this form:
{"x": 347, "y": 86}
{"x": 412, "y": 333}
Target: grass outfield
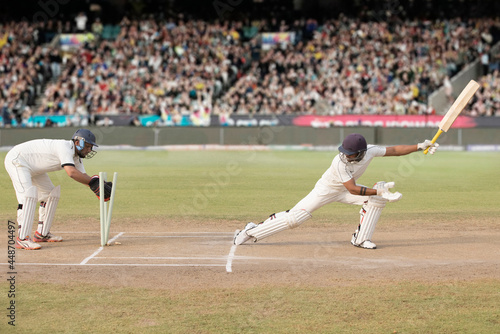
{"x": 212, "y": 185}
{"x": 232, "y": 188}
{"x": 458, "y": 307}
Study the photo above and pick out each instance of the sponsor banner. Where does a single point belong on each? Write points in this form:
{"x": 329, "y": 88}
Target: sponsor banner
{"x": 74, "y": 40}
{"x": 216, "y": 120}
{"x": 249, "y": 121}
{"x": 184, "y": 120}
{"x": 395, "y": 121}
{"x": 40, "y": 121}
{"x": 482, "y": 148}
{"x": 490, "y": 122}
{"x": 272, "y": 38}
{"x": 416, "y": 121}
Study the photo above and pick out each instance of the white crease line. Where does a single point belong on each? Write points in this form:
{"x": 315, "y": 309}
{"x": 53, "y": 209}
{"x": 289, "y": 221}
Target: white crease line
{"x": 161, "y": 257}
{"x": 100, "y": 249}
{"x": 231, "y": 255}
{"x": 91, "y": 256}
{"x": 123, "y": 264}
{"x": 181, "y": 232}
{"x": 87, "y": 232}
{"x": 223, "y": 257}
{"x": 177, "y": 236}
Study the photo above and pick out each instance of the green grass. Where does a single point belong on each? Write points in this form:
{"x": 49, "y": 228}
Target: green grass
{"x": 213, "y": 187}
{"x": 460, "y": 307}
{"x": 239, "y": 185}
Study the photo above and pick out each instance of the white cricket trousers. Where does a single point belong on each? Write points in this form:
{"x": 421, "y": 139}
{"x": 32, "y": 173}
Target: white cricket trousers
{"x": 23, "y": 179}
{"x": 322, "y": 195}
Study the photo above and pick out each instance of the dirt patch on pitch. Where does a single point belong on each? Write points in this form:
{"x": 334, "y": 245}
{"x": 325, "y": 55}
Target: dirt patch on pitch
{"x": 185, "y": 255}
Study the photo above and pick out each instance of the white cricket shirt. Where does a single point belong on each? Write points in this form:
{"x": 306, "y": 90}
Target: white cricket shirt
{"x": 340, "y": 172}
{"x": 47, "y": 155}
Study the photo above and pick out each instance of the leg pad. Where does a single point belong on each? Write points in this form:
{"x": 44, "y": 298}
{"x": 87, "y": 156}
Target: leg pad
{"x": 279, "y": 222}
{"x": 48, "y": 212}
{"x": 370, "y": 214}
{"x": 26, "y": 215}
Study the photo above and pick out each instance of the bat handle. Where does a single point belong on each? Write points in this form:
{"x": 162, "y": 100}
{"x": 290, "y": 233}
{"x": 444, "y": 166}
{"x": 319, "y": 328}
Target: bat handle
{"x": 434, "y": 140}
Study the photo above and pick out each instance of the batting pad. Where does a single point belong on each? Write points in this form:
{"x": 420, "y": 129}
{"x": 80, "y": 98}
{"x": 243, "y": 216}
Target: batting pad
{"x": 26, "y": 215}
{"x": 370, "y": 215}
{"x": 279, "y": 222}
{"x": 47, "y": 213}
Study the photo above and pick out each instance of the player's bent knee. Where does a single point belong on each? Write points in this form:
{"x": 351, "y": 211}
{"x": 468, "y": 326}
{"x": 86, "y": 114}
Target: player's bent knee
{"x": 296, "y": 218}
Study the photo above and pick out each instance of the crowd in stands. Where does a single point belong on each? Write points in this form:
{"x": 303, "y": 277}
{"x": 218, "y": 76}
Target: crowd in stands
{"x": 182, "y": 67}
{"x": 353, "y": 67}
{"x": 486, "y": 101}
{"x": 24, "y": 69}
{"x": 149, "y": 69}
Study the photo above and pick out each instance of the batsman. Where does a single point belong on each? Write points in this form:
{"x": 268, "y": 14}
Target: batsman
{"x": 28, "y": 164}
{"x": 339, "y": 184}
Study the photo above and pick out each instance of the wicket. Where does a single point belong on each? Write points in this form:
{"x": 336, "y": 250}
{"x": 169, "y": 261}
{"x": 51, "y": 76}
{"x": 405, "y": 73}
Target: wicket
{"x": 105, "y": 210}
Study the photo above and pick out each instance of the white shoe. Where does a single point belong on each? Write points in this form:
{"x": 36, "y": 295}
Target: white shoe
{"x": 27, "y": 244}
{"x": 38, "y": 237}
{"x": 367, "y": 244}
{"x": 242, "y": 235}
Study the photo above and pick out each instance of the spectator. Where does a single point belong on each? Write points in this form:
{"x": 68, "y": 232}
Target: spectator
{"x": 97, "y": 27}
{"x": 55, "y": 63}
{"x": 448, "y": 89}
{"x": 6, "y": 114}
{"x": 81, "y": 22}
{"x": 485, "y": 60}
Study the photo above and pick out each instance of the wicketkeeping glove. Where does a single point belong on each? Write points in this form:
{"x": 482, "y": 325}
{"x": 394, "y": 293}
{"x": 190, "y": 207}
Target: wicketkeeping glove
{"x": 383, "y": 191}
{"x": 94, "y": 186}
{"x": 428, "y": 143}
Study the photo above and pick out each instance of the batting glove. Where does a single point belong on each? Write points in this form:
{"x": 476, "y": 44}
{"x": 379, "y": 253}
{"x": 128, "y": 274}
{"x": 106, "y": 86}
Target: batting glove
{"x": 383, "y": 191}
{"x": 428, "y": 143}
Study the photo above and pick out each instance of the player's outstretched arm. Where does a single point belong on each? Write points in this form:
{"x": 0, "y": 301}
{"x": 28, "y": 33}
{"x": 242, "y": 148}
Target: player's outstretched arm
{"x": 380, "y": 189}
{"x": 76, "y": 175}
{"x": 354, "y": 189}
{"x": 399, "y": 150}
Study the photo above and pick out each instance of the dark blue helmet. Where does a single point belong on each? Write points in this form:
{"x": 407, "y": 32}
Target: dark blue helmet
{"x": 86, "y": 135}
{"x": 354, "y": 144}
{"x": 81, "y": 137}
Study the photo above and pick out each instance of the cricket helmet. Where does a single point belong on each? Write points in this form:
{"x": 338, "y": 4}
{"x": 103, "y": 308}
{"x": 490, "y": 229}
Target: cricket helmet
{"x": 82, "y": 136}
{"x": 353, "y": 144}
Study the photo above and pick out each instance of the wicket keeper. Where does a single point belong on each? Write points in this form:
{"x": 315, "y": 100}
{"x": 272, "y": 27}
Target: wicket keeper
{"x": 338, "y": 184}
{"x": 28, "y": 164}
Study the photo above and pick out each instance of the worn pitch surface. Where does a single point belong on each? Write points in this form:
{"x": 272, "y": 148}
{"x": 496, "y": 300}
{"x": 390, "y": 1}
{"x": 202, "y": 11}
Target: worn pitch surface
{"x": 170, "y": 255}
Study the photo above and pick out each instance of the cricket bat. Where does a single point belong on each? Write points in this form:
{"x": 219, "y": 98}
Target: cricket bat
{"x": 455, "y": 110}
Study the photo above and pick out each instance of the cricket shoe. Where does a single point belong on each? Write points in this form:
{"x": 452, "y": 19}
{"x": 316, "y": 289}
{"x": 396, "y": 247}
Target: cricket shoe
{"x": 242, "y": 236}
{"x": 38, "y": 237}
{"x": 367, "y": 244}
{"x": 27, "y": 244}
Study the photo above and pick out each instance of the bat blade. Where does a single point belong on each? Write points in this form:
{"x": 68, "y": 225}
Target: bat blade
{"x": 459, "y": 105}
{"x": 455, "y": 110}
